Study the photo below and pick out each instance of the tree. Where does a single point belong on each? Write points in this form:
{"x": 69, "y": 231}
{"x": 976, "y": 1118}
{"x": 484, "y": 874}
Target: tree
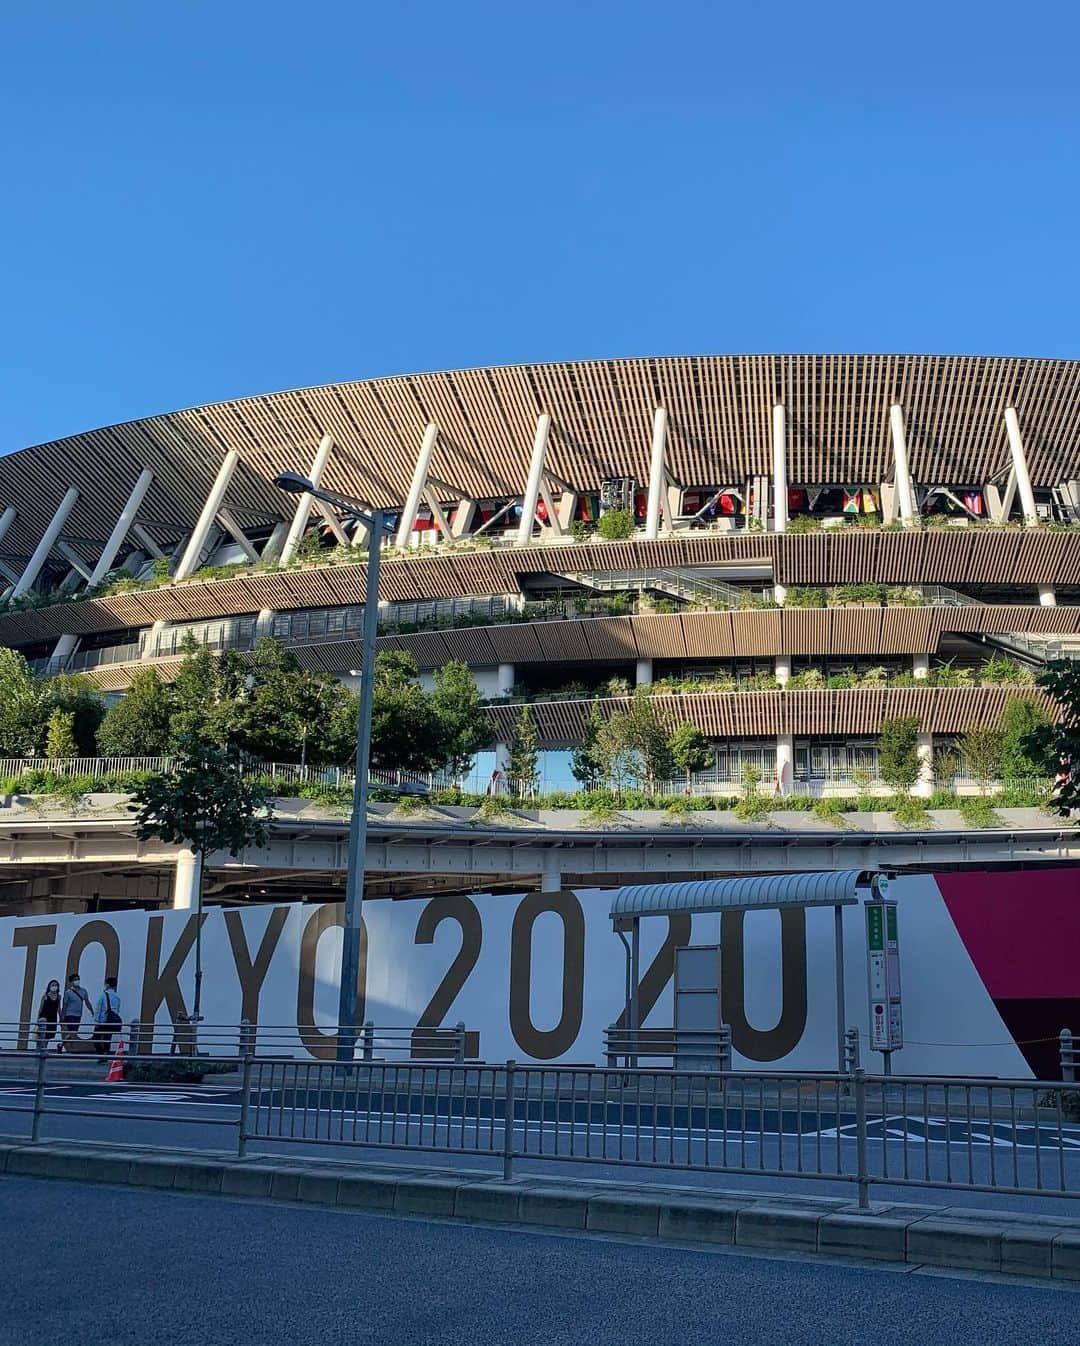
{"x": 524, "y": 753}
{"x": 404, "y": 728}
{"x": 1061, "y": 741}
{"x": 138, "y": 725}
{"x": 648, "y": 739}
{"x": 1021, "y": 758}
{"x": 615, "y": 524}
{"x": 980, "y": 749}
{"x": 459, "y": 713}
{"x": 200, "y": 708}
{"x": 60, "y": 735}
{"x": 615, "y": 755}
{"x": 19, "y": 714}
{"x": 898, "y": 753}
{"x": 75, "y": 694}
{"x": 205, "y": 804}
{"x": 690, "y": 751}
{"x": 585, "y": 765}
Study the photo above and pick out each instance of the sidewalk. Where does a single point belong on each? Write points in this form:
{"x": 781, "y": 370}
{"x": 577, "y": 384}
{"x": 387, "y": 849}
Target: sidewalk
{"x": 1022, "y": 1244}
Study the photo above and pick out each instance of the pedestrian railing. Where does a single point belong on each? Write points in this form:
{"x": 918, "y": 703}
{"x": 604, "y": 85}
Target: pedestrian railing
{"x": 864, "y": 1131}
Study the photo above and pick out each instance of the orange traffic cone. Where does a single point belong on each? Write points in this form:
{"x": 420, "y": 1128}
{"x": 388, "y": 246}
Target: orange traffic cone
{"x": 116, "y": 1066}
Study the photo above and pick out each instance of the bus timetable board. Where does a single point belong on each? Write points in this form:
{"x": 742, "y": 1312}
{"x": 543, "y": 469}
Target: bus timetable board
{"x": 883, "y": 971}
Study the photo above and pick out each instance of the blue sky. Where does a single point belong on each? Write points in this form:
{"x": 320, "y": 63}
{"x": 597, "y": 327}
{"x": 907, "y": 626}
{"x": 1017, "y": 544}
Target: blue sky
{"x": 207, "y": 200}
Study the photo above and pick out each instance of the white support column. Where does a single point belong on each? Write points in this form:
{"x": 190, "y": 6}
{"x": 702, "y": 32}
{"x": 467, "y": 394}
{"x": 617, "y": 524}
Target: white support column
{"x": 905, "y": 496}
{"x": 783, "y": 669}
{"x": 189, "y": 562}
{"x": 779, "y": 469}
{"x": 657, "y": 475}
{"x": 7, "y": 519}
{"x": 567, "y": 505}
{"x": 505, "y": 679}
{"x": 920, "y": 665}
{"x": 536, "y": 476}
{"x": 74, "y": 560}
{"x": 1020, "y": 467}
{"x": 302, "y": 514}
{"x": 464, "y": 516}
{"x": 148, "y": 543}
{"x": 33, "y": 567}
{"x": 186, "y": 880}
{"x": 554, "y": 522}
{"x": 1047, "y": 596}
{"x": 228, "y": 521}
{"x": 785, "y": 763}
{"x": 925, "y": 784}
{"x": 121, "y": 528}
{"x": 272, "y": 547}
{"x": 643, "y": 672}
{"x": 412, "y": 501}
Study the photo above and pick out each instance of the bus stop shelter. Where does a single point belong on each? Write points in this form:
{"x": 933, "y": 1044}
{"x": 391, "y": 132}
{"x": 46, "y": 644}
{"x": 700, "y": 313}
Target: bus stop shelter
{"x": 760, "y": 892}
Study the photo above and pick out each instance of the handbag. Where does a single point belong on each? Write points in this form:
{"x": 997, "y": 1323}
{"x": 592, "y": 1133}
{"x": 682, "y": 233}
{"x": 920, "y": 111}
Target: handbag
{"x": 111, "y": 1017}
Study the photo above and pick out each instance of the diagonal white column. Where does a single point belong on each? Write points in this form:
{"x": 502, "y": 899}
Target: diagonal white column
{"x": 48, "y": 540}
{"x": 125, "y": 523}
{"x": 1020, "y": 467}
{"x": 303, "y": 505}
{"x": 228, "y": 521}
{"x": 193, "y": 551}
{"x": 905, "y": 496}
{"x": 656, "y": 474}
{"x": 149, "y": 545}
{"x": 74, "y": 560}
{"x": 536, "y": 476}
{"x": 412, "y": 500}
{"x": 7, "y": 519}
{"x": 779, "y": 469}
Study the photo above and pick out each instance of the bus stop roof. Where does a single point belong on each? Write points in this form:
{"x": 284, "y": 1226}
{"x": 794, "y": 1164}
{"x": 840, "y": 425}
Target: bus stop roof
{"x": 831, "y": 888}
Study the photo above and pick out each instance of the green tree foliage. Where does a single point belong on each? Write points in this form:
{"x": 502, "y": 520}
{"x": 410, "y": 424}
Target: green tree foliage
{"x": 1021, "y": 757}
{"x": 898, "y": 753}
{"x": 691, "y": 751}
{"x": 138, "y": 724}
{"x": 524, "y": 753}
{"x": 615, "y": 524}
{"x": 404, "y": 726}
{"x": 1061, "y": 742}
{"x": 631, "y": 747}
{"x": 19, "y": 717}
{"x": 200, "y": 703}
{"x": 206, "y": 804}
{"x": 980, "y": 748}
{"x": 463, "y": 728}
{"x": 585, "y": 764}
{"x": 75, "y": 694}
{"x": 60, "y": 735}
{"x": 615, "y": 755}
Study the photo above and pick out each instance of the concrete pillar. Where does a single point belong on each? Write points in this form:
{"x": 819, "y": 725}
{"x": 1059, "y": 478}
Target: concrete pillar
{"x": 905, "y": 495}
{"x": 920, "y": 665}
{"x": 536, "y": 476}
{"x": 189, "y": 562}
{"x": 33, "y": 567}
{"x": 1047, "y": 596}
{"x": 1019, "y": 462}
{"x": 505, "y": 679}
{"x": 925, "y": 784}
{"x": 264, "y": 623}
{"x": 186, "y": 880}
{"x": 783, "y": 669}
{"x": 785, "y": 763}
{"x": 149, "y": 545}
{"x": 416, "y": 488}
{"x": 779, "y": 460}
{"x": 656, "y": 474}
{"x": 302, "y": 513}
{"x": 502, "y": 757}
{"x": 550, "y": 880}
{"x": 643, "y": 672}
{"x": 7, "y": 519}
{"x": 779, "y": 592}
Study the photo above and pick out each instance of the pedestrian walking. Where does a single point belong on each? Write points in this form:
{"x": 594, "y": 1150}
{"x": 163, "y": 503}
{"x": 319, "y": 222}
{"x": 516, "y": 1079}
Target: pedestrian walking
{"x": 106, "y": 1017}
{"x": 48, "y": 1015}
{"x": 71, "y": 1010}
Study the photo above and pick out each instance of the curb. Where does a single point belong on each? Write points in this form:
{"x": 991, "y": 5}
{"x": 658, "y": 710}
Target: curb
{"x": 960, "y": 1238}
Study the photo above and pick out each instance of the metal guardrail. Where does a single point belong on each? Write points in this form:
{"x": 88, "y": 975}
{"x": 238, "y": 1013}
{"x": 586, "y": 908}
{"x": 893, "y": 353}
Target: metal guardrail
{"x": 866, "y": 1131}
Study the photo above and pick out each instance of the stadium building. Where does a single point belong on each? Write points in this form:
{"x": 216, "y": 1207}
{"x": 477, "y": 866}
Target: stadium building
{"x": 790, "y": 551}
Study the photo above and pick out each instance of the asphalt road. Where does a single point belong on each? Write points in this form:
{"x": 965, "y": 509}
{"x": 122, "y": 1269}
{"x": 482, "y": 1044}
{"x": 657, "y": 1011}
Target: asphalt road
{"x": 739, "y": 1146}
{"x": 123, "y": 1267}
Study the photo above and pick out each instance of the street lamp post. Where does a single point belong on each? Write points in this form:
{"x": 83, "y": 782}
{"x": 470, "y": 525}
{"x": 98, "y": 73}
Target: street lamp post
{"x": 354, "y": 872}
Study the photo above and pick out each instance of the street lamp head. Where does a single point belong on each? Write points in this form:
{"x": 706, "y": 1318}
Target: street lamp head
{"x": 293, "y": 482}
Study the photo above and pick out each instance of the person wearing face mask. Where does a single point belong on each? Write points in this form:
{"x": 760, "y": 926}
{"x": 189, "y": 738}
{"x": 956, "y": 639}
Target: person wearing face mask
{"x": 48, "y": 1014}
{"x": 71, "y": 1012}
